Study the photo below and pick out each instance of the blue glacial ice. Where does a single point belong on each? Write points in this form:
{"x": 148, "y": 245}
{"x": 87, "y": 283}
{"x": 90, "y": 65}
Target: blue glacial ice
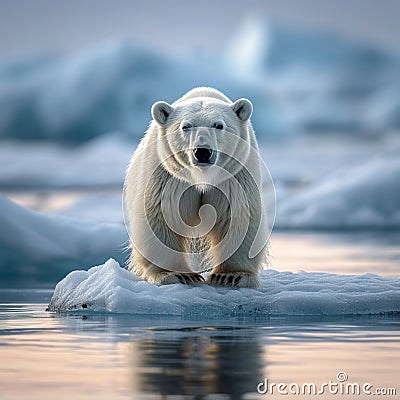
{"x": 298, "y": 81}
{"x": 98, "y": 163}
{"x": 42, "y": 247}
{"x": 363, "y": 196}
{"x": 262, "y": 45}
{"x": 109, "y": 288}
{"x": 110, "y": 87}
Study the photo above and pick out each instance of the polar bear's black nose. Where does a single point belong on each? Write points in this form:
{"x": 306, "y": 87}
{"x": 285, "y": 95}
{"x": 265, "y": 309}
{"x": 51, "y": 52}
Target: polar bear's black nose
{"x": 202, "y": 154}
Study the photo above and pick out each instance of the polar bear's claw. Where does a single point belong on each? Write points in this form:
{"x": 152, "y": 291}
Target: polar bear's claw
{"x": 224, "y": 279}
{"x": 234, "y": 279}
{"x": 185, "y": 278}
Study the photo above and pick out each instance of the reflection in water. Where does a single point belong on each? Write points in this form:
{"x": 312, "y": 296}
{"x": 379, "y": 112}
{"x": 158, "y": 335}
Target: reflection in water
{"x": 91, "y": 356}
{"x": 198, "y": 365}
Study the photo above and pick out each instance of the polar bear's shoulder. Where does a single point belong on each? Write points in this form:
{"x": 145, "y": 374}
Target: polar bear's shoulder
{"x": 204, "y": 92}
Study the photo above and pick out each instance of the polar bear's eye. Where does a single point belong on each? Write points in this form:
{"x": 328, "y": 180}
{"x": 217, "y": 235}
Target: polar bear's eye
{"x": 218, "y": 125}
{"x": 186, "y": 127}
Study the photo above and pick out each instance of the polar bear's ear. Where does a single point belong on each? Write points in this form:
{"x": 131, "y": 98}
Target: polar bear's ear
{"x": 243, "y": 109}
{"x": 161, "y": 111}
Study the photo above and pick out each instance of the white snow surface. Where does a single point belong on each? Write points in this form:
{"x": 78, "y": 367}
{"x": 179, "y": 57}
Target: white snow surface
{"x": 110, "y": 288}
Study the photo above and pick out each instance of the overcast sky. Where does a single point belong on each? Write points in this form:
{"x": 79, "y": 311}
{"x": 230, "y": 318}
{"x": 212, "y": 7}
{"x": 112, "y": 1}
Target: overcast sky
{"x": 29, "y": 27}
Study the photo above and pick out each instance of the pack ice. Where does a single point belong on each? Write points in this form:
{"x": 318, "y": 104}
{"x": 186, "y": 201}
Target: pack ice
{"x": 110, "y": 288}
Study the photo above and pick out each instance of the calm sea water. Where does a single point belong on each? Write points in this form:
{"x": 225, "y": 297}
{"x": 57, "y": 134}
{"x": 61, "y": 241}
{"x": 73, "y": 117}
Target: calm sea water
{"x": 65, "y": 356}
{"x": 45, "y": 355}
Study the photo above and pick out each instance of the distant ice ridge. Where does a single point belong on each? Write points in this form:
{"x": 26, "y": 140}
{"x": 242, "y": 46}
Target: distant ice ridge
{"x": 327, "y": 82}
{"x": 363, "y": 196}
{"x": 110, "y": 87}
{"x": 261, "y": 44}
{"x": 110, "y": 288}
{"x": 298, "y": 81}
{"x": 98, "y": 163}
{"x": 42, "y": 247}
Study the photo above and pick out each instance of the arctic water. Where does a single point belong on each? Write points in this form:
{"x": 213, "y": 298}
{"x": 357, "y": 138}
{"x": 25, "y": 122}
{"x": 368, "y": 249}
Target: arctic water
{"x": 105, "y": 356}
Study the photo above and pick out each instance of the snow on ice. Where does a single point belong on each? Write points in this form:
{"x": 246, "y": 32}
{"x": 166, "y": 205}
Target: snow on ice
{"x": 110, "y": 288}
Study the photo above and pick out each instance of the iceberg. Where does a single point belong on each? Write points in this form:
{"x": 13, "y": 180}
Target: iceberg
{"x": 298, "y": 81}
{"x": 97, "y": 163}
{"x": 319, "y": 81}
{"x": 110, "y": 87}
{"x": 363, "y": 196}
{"x": 42, "y": 247}
{"x": 262, "y": 45}
{"x": 108, "y": 288}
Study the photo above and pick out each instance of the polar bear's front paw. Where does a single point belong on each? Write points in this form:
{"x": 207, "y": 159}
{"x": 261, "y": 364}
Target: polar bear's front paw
{"x": 185, "y": 278}
{"x": 237, "y": 279}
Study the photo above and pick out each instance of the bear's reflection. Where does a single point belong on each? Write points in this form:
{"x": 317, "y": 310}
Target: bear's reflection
{"x": 198, "y": 364}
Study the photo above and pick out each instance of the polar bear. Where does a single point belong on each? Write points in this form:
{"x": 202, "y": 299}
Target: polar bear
{"x": 193, "y": 192}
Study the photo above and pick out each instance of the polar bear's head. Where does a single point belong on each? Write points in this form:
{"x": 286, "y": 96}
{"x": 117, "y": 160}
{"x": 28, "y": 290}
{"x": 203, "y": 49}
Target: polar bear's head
{"x": 203, "y": 132}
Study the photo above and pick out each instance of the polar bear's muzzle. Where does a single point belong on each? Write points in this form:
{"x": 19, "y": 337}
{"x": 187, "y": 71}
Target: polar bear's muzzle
{"x": 203, "y": 146}
{"x": 203, "y": 155}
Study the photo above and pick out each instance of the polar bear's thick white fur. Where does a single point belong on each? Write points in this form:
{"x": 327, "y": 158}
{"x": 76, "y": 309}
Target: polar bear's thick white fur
{"x": 194, "y": 186}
